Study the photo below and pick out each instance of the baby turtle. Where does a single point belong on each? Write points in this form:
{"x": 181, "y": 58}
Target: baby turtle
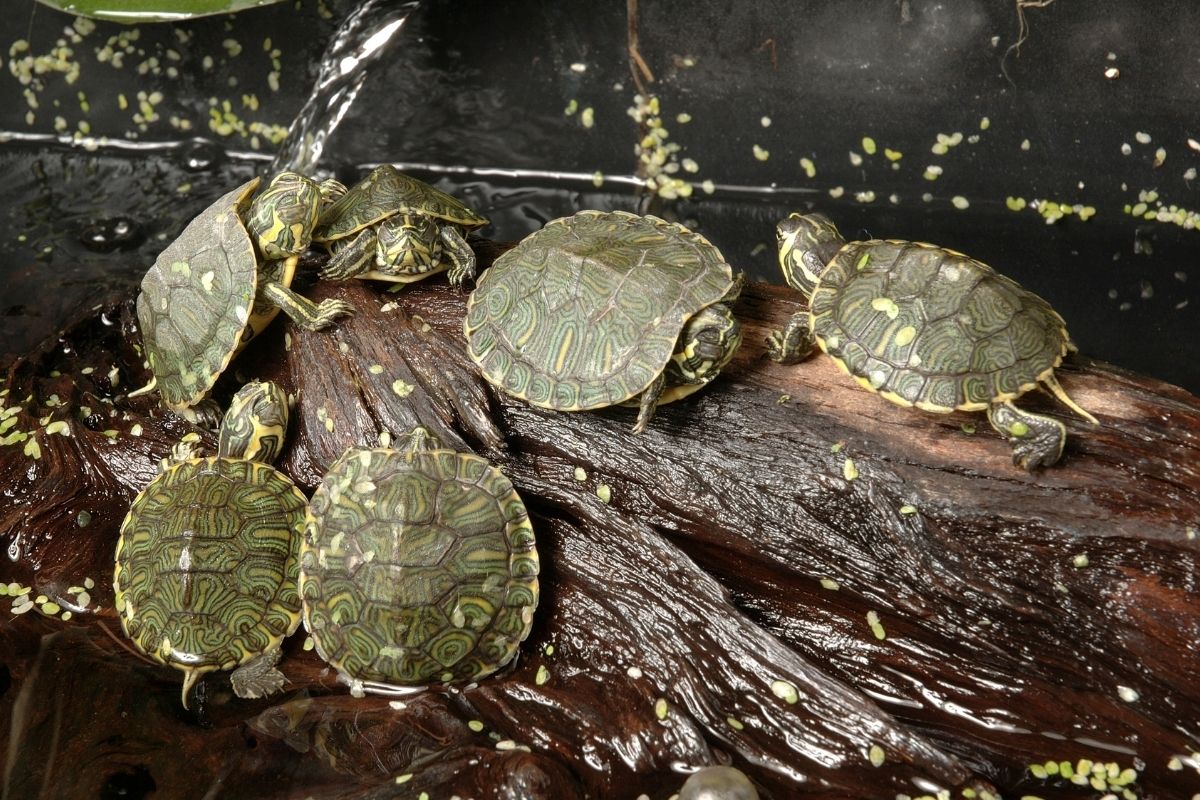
{"x": 604, "y": 308}
{"x": 222, "y": 281}
{"x": 392, "y": 227}
{"x": 417, "y": 565}
{"x": 927, "y": 327}
{"x": 208, "y": 558}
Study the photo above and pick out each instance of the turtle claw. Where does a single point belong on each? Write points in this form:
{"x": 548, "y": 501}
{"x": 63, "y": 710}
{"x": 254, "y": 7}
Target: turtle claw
{"x": 460, "y": 255}
{"x": 459, "y": 275}
{"x": 1037, "y": 441}
{"x": 205, "y": 414}
{"x": 331, "y": 190}
{"x": 1031, "y": 454}
{"x": 328, "y": 311}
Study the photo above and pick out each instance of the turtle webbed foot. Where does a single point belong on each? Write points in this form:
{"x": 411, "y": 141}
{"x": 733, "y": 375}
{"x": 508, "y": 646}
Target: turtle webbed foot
{"x": 331, "y": 190}
{"x": 1037, "y": 441}
{"x": 258, "y": 677}
{"x": 794, "y": 343}
{"x": 180, "y": 452}
{"x": 328, "y": 312}
{"x": 204, "y": 414}
{"x": 458, "y": 277}
{"x": 461, "y": 256}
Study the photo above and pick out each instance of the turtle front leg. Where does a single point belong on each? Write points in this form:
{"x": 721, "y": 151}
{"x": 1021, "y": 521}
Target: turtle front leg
{"x": 182, "y": 450}
{"x": 304, "y": 312}
{"x": 649, "y": 402}
{"x": 204, "y": 414}
{"x": 460, "y": 255}
{"x": 792, "y": 344}
{"x": 353, "y": 259}
{"x": 331, "y": 190}
{"x": 258, "y": 677}
{"x": 1037, "y": 441}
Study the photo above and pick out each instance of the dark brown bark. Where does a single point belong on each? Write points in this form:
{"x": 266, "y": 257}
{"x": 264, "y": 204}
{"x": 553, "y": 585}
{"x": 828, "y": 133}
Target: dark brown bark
{"x": 699, "y": 584}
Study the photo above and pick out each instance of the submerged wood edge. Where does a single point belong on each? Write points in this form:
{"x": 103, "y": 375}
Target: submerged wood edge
{"x": 934, "y": 606}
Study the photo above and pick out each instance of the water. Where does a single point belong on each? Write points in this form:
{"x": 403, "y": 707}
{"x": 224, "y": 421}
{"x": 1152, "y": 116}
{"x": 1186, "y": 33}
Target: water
{"x": 361, "y": 40}
{"x": 425, "y": 87}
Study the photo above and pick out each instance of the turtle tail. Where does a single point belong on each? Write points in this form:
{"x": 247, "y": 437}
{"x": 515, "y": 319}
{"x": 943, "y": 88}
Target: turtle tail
{"x": 147, "y": 389}
{"x": 1054, "y": 386}
{"x": 190, "y": 676}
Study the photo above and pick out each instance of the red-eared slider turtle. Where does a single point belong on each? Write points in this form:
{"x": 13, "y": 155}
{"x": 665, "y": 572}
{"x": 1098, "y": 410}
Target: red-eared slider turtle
{"x": 219, "y": 284}
{"x": 208, "y": 558}
{"x": 392, "y": 227}
{"x": 927, "y": 327}
{"x": 417, "y": 566}
{"x": 604, "y": 308}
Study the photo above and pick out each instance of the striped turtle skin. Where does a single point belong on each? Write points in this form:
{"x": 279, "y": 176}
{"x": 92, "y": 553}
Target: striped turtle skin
{"x": 927, "y": 327}
{"x": 587, "y": 312}
{"x": 207, "y": 563}
{"x": 417, "y": 566}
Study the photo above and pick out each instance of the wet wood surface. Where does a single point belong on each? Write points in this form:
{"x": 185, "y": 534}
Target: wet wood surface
{"x": 717, "y": 608}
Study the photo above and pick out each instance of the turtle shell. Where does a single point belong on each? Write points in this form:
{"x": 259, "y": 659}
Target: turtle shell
{"x": 385, "y": 193}
{"x": 932, "y": 328}
{"x": 417, "y": 566}
{"x": 196, "y": 300}
{"x": 207, "y": 563}
{"x": 586, "y": 312}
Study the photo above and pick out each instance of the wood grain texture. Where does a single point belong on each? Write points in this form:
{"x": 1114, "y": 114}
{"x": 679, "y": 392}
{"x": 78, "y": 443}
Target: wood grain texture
{"x": 668, "y": 613}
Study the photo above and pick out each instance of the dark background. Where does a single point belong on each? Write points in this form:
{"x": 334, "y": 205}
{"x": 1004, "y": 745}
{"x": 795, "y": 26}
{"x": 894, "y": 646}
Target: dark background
{"x": 472, "y": 95}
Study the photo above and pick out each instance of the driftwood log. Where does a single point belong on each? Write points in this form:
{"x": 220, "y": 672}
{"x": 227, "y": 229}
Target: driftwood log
{"x": 929, "y": 619}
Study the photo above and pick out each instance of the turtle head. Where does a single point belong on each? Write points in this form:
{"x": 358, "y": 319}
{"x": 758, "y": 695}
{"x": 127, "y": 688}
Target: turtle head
{"x": 708, "y": 340}
{"x": 282, "y": 218}
{"x": 807, "y": 242}
{"x": 255, "y": 424}
{"x": 422, "y": 439}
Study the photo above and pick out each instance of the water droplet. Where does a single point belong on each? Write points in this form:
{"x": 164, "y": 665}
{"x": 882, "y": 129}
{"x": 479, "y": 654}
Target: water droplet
{"x": 113, "y": 233}
{"x": 201, "y": 155}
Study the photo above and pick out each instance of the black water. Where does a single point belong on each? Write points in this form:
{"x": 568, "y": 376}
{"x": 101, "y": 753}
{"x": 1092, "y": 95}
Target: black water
{"x": 472, "y": 96}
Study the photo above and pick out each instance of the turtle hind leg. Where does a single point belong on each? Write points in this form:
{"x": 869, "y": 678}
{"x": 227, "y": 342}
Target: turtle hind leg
{"x": 304, "y": 312}
{"x": 649, "y": 402}
{"x": 258, "y": 677}
{"x": 792, "y": 344}
{"x": 1037, "y": 441}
